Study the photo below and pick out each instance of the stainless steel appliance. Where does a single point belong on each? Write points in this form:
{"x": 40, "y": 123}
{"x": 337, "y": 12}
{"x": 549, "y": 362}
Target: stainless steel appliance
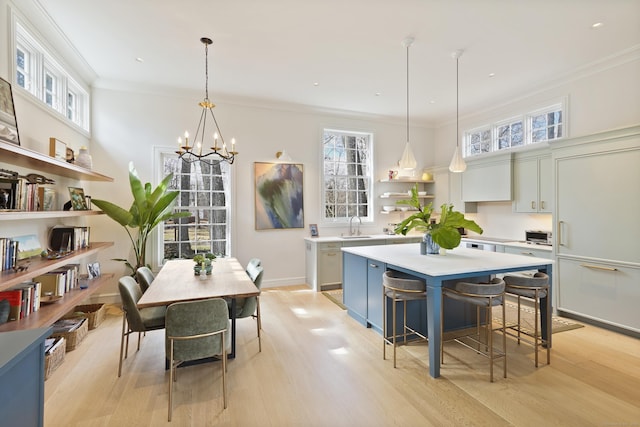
{"x": 538, "y": 237}
{"x": 480, "y": 246}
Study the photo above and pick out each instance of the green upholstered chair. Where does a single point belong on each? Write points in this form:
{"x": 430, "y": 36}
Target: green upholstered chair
{"x": 145, "y": 276}
{"x": 482, "y": 296}
{"x": 250, "y": 306}
{"x": 133, "y": 318}
{"x": 197, "y": 330}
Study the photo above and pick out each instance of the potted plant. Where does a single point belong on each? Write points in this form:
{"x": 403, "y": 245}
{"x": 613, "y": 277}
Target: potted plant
{"x": 438, "y": 234}
{"x": 203, "y": 261}
{"x": 149, "y": 208}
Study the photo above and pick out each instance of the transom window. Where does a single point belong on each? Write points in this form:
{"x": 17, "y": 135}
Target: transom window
{"x": 40, "y": 74}
{"x": 538, "y": 126}
{"x": 347, "y": 177}
{"x": 205, "y": 193}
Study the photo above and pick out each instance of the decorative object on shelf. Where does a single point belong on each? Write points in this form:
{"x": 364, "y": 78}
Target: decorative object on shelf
{"x": 408, "y": 160}
{"x": 313, "y": 229}
{"x": 93, "y": 270}
{"x": 149, "y": 208}
{"x": 84, "y": 159}
{"x": 57, "y": 149}
{"x": 8, "y": 122}
{"x": 194, "y": 153}
{"x": 28, "y": 246}
{"x": 278, "y": 200}
{"x": 443, "y": 232}
{"x": 78, "y": 202}
{"x": 70, "y": 155}
{"x": 203, "y": 263}
{"x": 457, "y": 162}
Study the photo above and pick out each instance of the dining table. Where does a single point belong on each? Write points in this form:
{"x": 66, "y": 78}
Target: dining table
{"x": 176, "y": 282}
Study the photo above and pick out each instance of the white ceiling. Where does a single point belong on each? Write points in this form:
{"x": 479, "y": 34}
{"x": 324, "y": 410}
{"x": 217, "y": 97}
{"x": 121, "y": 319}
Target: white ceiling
{"x": 274, "y": 50}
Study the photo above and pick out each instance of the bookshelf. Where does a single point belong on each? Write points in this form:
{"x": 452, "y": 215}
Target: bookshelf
{"x": 47, "y": 314}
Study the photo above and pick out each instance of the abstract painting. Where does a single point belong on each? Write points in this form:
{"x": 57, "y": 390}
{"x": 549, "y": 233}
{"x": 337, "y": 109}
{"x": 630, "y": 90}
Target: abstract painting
{"x": 279, "y": 201}
{"x": 8, "y": 123}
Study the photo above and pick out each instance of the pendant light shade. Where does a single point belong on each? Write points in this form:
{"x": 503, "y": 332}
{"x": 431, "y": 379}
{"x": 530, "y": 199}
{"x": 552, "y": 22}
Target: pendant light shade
{"x": 408, "y": 160}
{"x": 457, "y": 162}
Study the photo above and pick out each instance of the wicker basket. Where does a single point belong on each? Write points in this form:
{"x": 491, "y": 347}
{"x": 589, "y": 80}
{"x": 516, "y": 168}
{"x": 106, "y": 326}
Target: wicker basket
{"x": 54, "y": 358}
{"x": 74, "y": 337}
{"x": 96, "y": 313}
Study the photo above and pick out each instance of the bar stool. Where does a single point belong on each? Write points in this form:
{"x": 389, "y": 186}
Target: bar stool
{"x": 535, "y": 288}
{"x": 400, "y": 287}
{"x": 482, "y": 295}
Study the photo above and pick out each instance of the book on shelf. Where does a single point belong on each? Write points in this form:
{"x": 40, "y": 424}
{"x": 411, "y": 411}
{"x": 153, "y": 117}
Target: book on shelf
{"x": 8, "y": 253}
{"x": 52, "y": 283}
{"x": 15, "y": 302}
{"x": 51, "y": 344}
{"x": 46, "y": 199}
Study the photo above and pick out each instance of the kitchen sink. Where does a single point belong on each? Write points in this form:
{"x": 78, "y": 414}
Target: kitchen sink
{"x": 355, "y": 237}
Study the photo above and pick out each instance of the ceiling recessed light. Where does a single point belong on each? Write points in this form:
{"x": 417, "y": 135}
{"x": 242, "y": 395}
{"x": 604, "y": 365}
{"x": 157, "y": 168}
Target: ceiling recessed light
{"x": 432, "y": 102}
{"x": 316, "y": 84}
{"x": 492, "y": 74}
{"x": 597, "y": 25}
{"x": 138, "y": 59}
{"x": 377, "y": 93}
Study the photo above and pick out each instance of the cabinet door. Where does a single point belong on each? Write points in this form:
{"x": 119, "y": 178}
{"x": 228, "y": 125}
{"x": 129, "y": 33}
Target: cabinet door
{"x": 488, "y": 181}
{"x": 597, "y": 205}
{"x": 354, "y": 285}
{"x": 329, "y": 267}
{"x": 525, "y": 184}
{"x": 600, "y": 291}
{"x": 545, "y": 185}
{"x": 375, "y": 270}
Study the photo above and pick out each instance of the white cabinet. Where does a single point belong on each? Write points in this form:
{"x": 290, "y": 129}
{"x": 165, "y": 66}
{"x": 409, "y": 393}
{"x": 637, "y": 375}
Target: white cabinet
{"x": 605, "y": 292}
{"x": 596, "y": 229}
{"x": 532, "y": 184}
{"x": 488, "y": 179}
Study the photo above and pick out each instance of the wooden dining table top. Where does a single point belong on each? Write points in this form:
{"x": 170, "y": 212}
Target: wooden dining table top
{"x": 177, "y": 282}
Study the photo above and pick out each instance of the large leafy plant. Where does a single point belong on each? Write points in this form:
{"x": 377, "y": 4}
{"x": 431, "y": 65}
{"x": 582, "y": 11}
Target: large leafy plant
{"x": 149, "y": 208}
{"x": 443, "y": 231}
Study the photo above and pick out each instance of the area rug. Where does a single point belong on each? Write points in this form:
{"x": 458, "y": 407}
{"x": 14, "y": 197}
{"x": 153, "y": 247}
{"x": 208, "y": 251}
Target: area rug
{"x": 527, "y": 317}
{"x": 335, "y": 296}
{"x": 558, "y": 324}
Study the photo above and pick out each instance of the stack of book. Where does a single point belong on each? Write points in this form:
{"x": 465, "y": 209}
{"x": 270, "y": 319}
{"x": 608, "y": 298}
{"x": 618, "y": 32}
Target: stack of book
{"x": 24, "y": 299}
{"x": 8, "y": 253}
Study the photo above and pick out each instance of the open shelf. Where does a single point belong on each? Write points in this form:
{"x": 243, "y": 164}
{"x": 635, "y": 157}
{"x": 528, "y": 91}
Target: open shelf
{"x": 38, "y": 266}
{"x": 19, "y": 156}
{"x": 408, "y": 181}
{"x": 50, "y": 313}
{"x": 15, "y": 215}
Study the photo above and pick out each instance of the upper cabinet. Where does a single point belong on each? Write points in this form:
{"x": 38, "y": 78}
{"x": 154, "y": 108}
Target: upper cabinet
{"x": 532, "y": 183}
{"x": 488, "y": 179}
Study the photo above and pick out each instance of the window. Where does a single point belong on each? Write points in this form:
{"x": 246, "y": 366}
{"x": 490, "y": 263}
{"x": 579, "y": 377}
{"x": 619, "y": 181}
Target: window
{"x": 205, "y": 192}
{"x": 347, "y": 177}
{"x": 546, "y": 125}
{"x": 538, "y": 126}
{"x": 38, "y": 72}
{"x": 510, "y": 134}
{"x": 479, "y": 141}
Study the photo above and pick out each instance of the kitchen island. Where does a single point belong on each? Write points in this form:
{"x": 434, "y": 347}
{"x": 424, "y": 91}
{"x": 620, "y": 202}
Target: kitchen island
{"x": 371, "y": 261}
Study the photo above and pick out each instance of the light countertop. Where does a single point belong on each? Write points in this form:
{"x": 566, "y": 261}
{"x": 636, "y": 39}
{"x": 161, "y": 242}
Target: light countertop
{"x": 327, "y": 239}
{"x": 455, "y": 262}
{"x": 506, "y": 242}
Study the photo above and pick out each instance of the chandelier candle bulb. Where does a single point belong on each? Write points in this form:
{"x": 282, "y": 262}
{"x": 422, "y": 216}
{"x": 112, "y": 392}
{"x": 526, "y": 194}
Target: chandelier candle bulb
{"x": 233, "y": 145}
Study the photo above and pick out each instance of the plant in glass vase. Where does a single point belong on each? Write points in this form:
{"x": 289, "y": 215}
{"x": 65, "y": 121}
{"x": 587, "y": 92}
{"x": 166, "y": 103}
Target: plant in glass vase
{"x": 441, "y": 233}
{"x": 203, "y": 262}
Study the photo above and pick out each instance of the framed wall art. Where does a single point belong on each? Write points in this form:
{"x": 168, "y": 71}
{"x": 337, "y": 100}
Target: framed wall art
{"x": 278, "y": 198}
{"x": 8, "y": 122}
{"x": 57, "y": 149}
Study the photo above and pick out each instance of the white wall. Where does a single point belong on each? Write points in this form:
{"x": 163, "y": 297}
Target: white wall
{"x": 127, "y": 125}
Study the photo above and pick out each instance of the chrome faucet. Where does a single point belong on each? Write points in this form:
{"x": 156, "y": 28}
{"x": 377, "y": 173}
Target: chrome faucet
{"x": 351, "y": 225}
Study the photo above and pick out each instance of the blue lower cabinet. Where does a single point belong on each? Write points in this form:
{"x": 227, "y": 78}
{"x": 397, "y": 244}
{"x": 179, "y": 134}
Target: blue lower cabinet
{"x": 354, "y": 286}
{"x": 375, "y": 270}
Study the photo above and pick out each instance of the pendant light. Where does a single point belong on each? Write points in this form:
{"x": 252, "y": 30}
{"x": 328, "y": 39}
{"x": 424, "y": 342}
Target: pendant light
{"x": 408, "y": 160}
{"x": 457, "y": 162}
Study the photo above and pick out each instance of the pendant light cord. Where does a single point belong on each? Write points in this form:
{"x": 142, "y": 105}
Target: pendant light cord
{"x": 457, "y": 102}
{"x": 408, "y": 92}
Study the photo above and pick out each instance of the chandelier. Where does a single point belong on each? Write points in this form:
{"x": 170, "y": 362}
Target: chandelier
{"x": 196, "y": 152}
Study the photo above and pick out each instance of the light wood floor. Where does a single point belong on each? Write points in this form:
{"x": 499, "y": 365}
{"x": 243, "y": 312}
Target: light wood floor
{"x": 318, "y": 367}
